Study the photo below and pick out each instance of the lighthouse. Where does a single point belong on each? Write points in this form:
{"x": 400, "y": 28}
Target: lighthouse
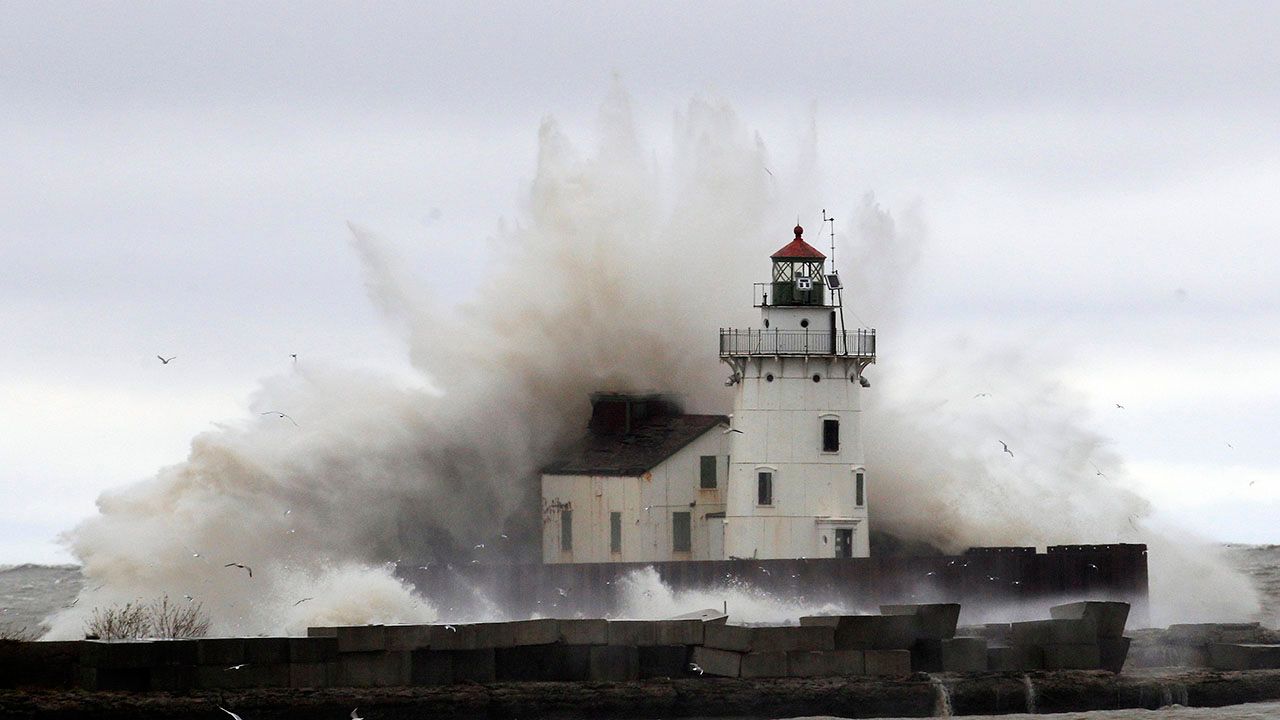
{"x": 796, "y": 485}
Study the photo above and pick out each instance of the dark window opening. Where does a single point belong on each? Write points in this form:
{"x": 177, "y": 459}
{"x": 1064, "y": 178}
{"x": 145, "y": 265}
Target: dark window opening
{"x": 768, "y": 377}
{"x": 681, "y": 534}
{"x": 708, "y": 474}
{"x": 804, "y": 323}
{"x": 764, "y": 488}
{"x": 817, "y": 377}
{"x": 830, "y": 435}
{"x": 858, "y": 489}
{"x": 566, "y": 530}
{"x": 844, "y": 542}
{"x": 615, "y": 532}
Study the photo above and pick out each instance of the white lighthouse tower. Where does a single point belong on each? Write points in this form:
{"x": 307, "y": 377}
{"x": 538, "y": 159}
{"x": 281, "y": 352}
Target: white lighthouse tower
{"x": 797, "y": 486}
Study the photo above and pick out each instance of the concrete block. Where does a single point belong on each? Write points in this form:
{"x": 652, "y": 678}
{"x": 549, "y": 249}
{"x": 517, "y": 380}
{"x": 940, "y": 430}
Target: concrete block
{"x": 584, "y": 632}
{"x": 720, "y": 663}
{"x": 325, "y": 631}
{"x": 431, "y": 667}
{"x": 173, "y": 678}
{"x": 679, "y": 632}
{"x": 313, "y": 649}
{"x": 1076, "y": 656}
{"x": 474, "y": 665}
{"x": 824, "y": 663}
{"x": 177, "y": 652}
{"x": 670, "y": 661}
{"x": 1112, "y": 652}
{"x": 454, "y": 637}
{"x": 1081, "y": 631}
{"x": 710, "y": 615}
{"x": 114, "y": 679}
{"x": 785, "y": 639}
{"x": 1108, "y": 617}
{"x": 933, "y": 620}
{"x": 407, "y": 637}
{"x": 736, "y": 638}
{"x": 494, "y": 635}
{"x": 633, "y": 633}
{"x": 926, "y": 655}
{"x": 120, "y": 654}
{"x": 361, "y": 638}
{"x": 964, "y": 655}
{"x": 888, "y": 662}
{"x": 864, "y": 632}
{"x": 312, "y": 674}
{"x": 545, "y": 663}
{"x": 42, "y": 663}
{"x": 266, "y": 650}
{"x": 218, "y": 677}
{"x": 1016, "y": 657}
{"x": 372, "y": 669}
{"x": 536, "y": 632}
{"x": 1244, "y": 656}
{"x": 763, "y": 664}
{"x": 613, "y": 663}
{"x": 222, "y": 652}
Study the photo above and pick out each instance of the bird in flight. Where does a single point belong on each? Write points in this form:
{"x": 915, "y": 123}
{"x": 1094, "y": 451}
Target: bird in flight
{"x": 1006, "y": 447}
{"x": 164, "y": 361}
{"x": 302, "y": 601}
{"x": 241, "y": 666}
{"x": 1100, "y": 473}
{"x": 982, "y": 395}
{"x": 694, "y": 667}
{"x": 279, "y": 414}
{"x": 242, "y": 567}
{"x": 733, "y": 430}
{"x": 237, "y": 717}
{"x": 354, "y": 716}
{"x": 1119, "y": 406}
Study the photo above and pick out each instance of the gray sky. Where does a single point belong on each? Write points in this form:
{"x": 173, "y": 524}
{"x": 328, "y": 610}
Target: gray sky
{"x": 1099, "y": 181}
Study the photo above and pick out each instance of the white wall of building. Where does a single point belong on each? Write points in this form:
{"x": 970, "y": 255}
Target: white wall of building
{"x": 814, "y": 492}
{"x": 646, "y": 504}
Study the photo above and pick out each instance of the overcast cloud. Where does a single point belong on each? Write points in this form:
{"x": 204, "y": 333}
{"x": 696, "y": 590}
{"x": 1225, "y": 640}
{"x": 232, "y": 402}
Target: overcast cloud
{"x": 1099, "y": 183}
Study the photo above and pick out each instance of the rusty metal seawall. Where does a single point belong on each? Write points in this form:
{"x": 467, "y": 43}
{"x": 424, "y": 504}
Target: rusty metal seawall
{"x": 1006, "y": 581}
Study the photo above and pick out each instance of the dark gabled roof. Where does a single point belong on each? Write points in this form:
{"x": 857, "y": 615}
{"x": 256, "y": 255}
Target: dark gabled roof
{"x": 636, "y": 452}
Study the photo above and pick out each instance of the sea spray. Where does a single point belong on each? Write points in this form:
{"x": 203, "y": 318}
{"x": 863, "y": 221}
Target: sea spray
{"x": 590, "y": 290}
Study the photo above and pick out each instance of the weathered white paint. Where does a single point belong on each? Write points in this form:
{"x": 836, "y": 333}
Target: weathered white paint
{"x": 646, "y": 503}
{"x": 781, "y": 424}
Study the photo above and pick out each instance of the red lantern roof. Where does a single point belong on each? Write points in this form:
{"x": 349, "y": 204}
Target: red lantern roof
{"x": 798, "y": 249}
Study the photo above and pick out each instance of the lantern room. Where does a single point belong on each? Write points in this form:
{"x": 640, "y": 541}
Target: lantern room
{"x": 797, "y": 274}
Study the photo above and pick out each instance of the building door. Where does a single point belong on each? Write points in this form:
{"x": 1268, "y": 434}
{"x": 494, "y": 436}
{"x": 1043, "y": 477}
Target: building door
{"x": 844, "y": 542}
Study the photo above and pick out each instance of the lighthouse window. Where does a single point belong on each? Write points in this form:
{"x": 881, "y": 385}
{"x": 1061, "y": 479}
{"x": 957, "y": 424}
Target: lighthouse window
{"x": 764, "y": 488}
{"x": 566, "y": 530}
{"x": 615, "y": 532}
{"x": 830, "y": 436}
{"x": 804, "y": 323}
{"x": 708, "y": 472}
{"x": 858, "y": 489}
{"x": 817, "y": 377}
{"x": 768, "y": 377}
{"x": 680, "y": 532}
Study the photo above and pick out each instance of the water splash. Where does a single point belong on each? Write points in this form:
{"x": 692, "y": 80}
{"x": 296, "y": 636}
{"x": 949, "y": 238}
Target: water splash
{"x": 377, "y": 468}
{"x": 941, "y": 697}
{"x": 1030, "y": 689}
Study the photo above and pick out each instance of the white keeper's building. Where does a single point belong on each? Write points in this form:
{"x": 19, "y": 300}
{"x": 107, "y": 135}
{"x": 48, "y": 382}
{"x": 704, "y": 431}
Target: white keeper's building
{"x": 783, "y": 477}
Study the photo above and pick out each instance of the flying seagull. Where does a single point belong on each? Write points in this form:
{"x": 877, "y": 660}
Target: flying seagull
{"x": 354, "y": 716}
{"x": 163, "y": 361}
{"x": 241, "y": 666}
{"x": 279, "y": 414}
{"x": 1006, "y": 447}
{"x": 733, "y": 430}
{"x": 302, "y": 601}
{"x": 694, "y": 667}
{"x": 1119, "y": 406}
{"x": 982, "y": 395}
{"x": 237, "y": 717}
{"x": 242, "y": 567}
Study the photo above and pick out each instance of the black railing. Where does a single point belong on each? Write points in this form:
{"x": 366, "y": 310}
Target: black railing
{"x": 856, "y": 343}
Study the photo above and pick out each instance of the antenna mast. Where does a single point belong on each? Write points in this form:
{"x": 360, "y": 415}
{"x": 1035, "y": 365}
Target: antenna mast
{"x": 837, "y": 287}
